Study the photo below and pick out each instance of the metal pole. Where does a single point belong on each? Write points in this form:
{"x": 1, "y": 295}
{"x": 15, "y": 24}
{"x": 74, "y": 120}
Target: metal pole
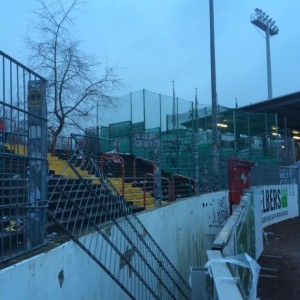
{"x": 144, "y": 116}
{"x": 270, "y": 96}
{"x": 97, "y": 130}
{"x": 234, "y": 131}
{"x": 213, "y": 92}
{"x": 213, "y": 73}
{"x": 196, "y": 172}
{"x": 38, "y": 166}
{"x": 193, "y": 119}
{"x": 177, "y": 134}
{"x": 196, "y": 109}
{"x": 160, "y": 122}
{"x": 177, "y": 119}
{"x": 131, "y": 107}
{"x": 157, "y": 173}
{"x": 173, "y": 108}
{"x": 249, "y": 137}
{"x": 276, "y": 124}
{"x": 265, "y": 138}
{"x": 97, "y": 114}
{"x": 144, "y": 108}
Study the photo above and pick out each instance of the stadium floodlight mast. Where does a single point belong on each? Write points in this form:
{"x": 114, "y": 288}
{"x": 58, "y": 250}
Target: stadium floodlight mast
{"x": 266, "y": 24}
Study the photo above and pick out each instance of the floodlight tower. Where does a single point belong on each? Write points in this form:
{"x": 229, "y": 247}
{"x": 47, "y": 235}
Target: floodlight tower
{"x": 266, "y": 24}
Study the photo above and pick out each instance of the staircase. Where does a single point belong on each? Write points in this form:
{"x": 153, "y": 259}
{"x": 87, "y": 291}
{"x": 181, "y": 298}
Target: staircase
{"x": 87, "y": 206}
{"x": 135, "y": 262}
{"x": 113, "y": 169}
{"x": 60, "y": 167}
{"x": 133, "y": 194}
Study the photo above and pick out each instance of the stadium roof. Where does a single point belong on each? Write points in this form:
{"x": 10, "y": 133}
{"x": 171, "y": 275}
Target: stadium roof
{"x": 286, "y": 107}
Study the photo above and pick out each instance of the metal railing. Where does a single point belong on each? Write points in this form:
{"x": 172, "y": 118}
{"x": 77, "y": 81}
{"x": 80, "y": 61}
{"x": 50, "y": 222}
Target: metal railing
{"x": 241, "y": 239}
{"x": 90, "y": 210}
{"x": 182, "y": 186}
{"x": 141, "y": 170}
{"x": 51, "y": 140}
{"x": 115, "y": 164}
{"x": 23, "y": 159}
{"x": 166, "y": 189}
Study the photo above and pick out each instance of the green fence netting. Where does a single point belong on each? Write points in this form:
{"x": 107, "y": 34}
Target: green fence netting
{"x": 184, "y": 131}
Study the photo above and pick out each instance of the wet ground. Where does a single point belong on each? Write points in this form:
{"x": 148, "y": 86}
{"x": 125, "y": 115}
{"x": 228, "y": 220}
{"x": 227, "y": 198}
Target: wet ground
{"x": 280, "y": 262}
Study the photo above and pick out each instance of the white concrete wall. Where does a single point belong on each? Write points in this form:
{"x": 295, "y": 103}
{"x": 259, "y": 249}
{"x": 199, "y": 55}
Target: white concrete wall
{"x": 179, "y": 229}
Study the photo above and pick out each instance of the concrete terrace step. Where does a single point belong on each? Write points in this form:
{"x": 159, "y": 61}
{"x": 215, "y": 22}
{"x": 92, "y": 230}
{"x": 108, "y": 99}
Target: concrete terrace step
{"x": 61, "y": 167}
{"x": 135, "y": 195}
{"x": 138, "y": 202}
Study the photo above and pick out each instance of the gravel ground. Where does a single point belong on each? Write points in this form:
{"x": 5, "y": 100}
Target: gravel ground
{"x": 280, "y": 262}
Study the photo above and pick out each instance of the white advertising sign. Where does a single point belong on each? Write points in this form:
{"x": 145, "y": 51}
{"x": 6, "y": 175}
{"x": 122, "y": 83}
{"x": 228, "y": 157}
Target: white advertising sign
{"x": 278, "y": 202}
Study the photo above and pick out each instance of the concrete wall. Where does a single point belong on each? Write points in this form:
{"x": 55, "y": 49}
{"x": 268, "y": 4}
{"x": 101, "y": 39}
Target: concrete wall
{"x": 67, "y": 272}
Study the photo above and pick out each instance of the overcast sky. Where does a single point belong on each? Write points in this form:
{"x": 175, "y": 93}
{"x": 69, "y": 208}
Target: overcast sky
{"x": 155, "y": 42}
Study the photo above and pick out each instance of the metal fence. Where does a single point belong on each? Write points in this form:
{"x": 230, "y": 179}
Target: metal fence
{"x": 191, "y": 153}
{"x": 184, "y": 128}
{"x": 184, "y": 131}
{"x": 23, "y": 158}
{"x": 88, "y": 207}
{"x": 149, "y": 108}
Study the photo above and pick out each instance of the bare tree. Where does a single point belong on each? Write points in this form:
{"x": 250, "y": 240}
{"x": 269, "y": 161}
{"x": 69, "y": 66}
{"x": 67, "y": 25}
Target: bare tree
{"x": 74, "y": 86}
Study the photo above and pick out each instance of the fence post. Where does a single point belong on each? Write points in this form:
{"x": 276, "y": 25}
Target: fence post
{"x": 196, "y": 172}
{"x": 157, "y": 173}
{"x": 38, "y": 168}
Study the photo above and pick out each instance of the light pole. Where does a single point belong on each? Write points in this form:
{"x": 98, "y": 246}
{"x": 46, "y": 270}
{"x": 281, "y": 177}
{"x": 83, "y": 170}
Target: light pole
{"x": 214, "y": 100}
{"x": 266, "y": 24}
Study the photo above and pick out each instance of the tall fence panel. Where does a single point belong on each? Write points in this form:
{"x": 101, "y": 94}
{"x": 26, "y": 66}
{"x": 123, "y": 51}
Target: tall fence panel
{"x": 185, "y": 132}
{"x": 23, "y": 158}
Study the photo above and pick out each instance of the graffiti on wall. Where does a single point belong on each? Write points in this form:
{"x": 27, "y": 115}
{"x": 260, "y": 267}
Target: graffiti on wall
{"x": 223, "y": 212}
{"x": 141, "y": 140}
{"x": 175, "y": 151}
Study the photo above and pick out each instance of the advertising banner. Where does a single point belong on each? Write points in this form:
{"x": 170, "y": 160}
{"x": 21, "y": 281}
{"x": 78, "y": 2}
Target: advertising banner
{"x": 278, "y": 202}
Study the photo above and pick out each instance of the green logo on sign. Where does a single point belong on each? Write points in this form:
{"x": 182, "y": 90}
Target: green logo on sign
{"x": 284, "y": 198}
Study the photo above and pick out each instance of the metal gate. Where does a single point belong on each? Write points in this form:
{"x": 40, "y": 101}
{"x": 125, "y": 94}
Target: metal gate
{"x": 23, "y": 158}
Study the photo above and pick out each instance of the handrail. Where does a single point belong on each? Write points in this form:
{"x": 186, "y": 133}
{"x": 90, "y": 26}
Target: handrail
{"x": 134, "y": 167}
{"x": 53, "y": 143}
{"x": 12, "y": 129}
{"x": 14, "y": 136}
{"x": 99, "y": 140}
{"x": 115, "y": 158}
{"x": 162, "y": 178}
{"x": 68, "y": 147}
{"x": 179, "y": 176}
{"x": 141, "y": 243}
{"x": 82, "y": 165}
